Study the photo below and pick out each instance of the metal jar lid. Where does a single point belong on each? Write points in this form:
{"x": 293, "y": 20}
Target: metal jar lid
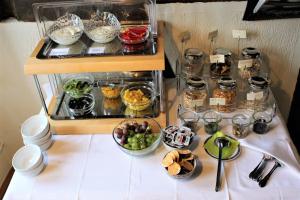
{"x": 196, "y": 83}
{"x": 227, "y": 83}
{"x": 222, "y": 51}
{"x": 251, "y": 52}
{"x": 193, "y": 54}
{"x": 258, "y": 82}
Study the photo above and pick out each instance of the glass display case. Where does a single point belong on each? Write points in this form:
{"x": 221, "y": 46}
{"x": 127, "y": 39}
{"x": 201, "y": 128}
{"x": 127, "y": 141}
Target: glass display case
{"x": 98, "y": 79}
{"x": 97, "y": 28}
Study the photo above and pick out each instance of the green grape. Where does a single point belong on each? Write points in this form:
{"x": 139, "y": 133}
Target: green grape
{"x": 134, "y": 145}
{"x": 127, "y": 146}
{"x": 138, "y": 135}
{"x": 149, "y": 140}
{"x": 129, "y": 140}
{"x": 134, "y": 140}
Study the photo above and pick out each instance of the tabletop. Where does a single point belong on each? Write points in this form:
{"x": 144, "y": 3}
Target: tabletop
{"x": 87, "y": 167}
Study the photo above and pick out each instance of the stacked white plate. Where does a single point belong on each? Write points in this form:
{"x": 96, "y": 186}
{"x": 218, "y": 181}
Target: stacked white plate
{"x": 36, "y": 130}
{"x": 28, "y": 160}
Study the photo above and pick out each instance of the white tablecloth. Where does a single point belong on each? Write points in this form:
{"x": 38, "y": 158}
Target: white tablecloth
{"x": 88, "y": 167}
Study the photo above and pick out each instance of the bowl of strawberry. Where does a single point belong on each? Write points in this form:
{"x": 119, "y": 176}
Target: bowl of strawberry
{"x": 134, "y": 34}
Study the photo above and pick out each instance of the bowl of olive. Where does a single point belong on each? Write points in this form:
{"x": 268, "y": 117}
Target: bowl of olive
{"x": 137, "y": 137}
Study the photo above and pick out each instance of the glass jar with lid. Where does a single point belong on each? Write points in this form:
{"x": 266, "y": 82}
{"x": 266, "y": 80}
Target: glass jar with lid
{"x": 258, "y": 92}
{"x": 224, "y": 95}
{"x": 195, "y": 94}
{"x": 220, "y": 69}
{"x": 193, "y": 62}
{"x": 250, "y": 63}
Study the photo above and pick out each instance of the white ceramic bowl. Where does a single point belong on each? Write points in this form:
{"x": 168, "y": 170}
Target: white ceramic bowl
{"x": 35, "y": 127}
{"x": 27, "y": 158}
{"x": 46, "y": 145}
{"x": 38, "y": 141}
{"x": 35, "y": 171}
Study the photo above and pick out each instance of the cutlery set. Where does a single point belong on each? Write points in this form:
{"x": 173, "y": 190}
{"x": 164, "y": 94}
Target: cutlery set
{"x": 257, "y": 173}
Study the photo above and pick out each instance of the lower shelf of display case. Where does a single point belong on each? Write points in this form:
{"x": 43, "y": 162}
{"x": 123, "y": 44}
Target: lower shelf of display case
{"x": 98, "y": 123}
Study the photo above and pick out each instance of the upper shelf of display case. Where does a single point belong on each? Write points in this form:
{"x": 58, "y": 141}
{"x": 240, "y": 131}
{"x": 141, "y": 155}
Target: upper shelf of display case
{"x": 95, "y": 64}
{"x": 103, "y": 36}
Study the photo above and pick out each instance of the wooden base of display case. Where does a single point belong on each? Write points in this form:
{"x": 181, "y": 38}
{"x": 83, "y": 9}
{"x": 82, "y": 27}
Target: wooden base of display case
{"x": 92, "y": 126}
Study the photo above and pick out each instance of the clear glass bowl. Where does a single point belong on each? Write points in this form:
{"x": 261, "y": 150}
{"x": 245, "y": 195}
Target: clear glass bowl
{"x": 261, "y": 122}
{"x": 240, "y": 125}
{"x": 133, "y": 34}
{"x": 138, "y": 96}
{"x": 102, "y": 27}
{"x": 111, "y": 91}
{"x": 66, "y": 30}
{"x": 78, "y": 85}
{"x": 211, "y": 121}
{"x": 81, "y": 106}
{"x": 156, "y": 131}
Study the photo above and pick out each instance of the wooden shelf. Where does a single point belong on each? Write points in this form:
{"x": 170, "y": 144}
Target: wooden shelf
{"x": 96, "y": 64}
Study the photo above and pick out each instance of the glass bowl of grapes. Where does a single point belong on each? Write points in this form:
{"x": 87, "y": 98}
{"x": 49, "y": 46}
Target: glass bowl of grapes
{"x": 137, "y": 137}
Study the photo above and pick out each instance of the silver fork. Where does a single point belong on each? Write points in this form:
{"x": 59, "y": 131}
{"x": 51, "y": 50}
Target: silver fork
{"x": 257, "y": 171}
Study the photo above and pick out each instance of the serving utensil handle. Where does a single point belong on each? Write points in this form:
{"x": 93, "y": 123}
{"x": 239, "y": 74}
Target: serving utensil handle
{"x": 263, "y": 182}
{"x": 218, "y": 181}
{"x": 258, "y": 169}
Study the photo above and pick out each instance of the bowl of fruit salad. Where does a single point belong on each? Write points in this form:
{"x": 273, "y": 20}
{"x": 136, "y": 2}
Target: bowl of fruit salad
{"x": 137, "y": 137}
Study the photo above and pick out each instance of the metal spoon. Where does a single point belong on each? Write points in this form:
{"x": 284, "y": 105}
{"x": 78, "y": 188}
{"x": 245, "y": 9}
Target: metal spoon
{"x": 221, "y": 142}
{"x": 255, "y": 174}
{"x": 262, "y": 182}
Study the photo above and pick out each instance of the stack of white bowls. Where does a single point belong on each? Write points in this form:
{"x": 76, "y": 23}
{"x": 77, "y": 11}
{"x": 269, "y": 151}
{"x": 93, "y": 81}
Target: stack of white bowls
{"x": 28, "y": 160}
{"x": 36, "y": 130}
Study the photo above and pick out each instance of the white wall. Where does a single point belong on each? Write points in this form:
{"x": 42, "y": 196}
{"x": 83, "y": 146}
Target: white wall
{"x": 18, "y": 97}
{"x": 278, "y": 39}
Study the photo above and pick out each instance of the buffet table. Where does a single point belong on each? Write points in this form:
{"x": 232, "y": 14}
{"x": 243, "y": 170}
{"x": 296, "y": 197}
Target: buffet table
{"x": 93, "y": 167}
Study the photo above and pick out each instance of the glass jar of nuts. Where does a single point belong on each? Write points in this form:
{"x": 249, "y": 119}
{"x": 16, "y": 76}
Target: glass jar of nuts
{"x": 225, "y": 93}
{"x": 258, "y": 92}
{"x": 195, "y": 94}
{"x": 221, "y": 69}
{"x": 193, "y": 62}
{"x": 250, "y": 62}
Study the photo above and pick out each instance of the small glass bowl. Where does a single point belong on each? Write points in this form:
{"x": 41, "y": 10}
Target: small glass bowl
{"x": 240, "y": 125}
{"x": 138, "y": 96}
{"x": 66, "y": 30}
{"x": 102, "y": 27}
{"x": 83, "y": 105}
{"x": 261, "y": 122}
{"x": 189, "y": 119}
{"x": 156, "y": 131}
{"x": 133, "y": 34}
{"x": 78, "y": 85}
{"x": 111, "y": 91}
{"x": 211, "y": 121}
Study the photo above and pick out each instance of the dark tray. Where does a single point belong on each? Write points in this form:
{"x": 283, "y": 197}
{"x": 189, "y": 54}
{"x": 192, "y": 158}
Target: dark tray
{"x": 85, "y": 47}
{"x": 101, "y": 110}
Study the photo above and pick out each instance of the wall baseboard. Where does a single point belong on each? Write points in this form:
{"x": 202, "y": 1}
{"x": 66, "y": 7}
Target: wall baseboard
{"x": 6, "y": 182}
